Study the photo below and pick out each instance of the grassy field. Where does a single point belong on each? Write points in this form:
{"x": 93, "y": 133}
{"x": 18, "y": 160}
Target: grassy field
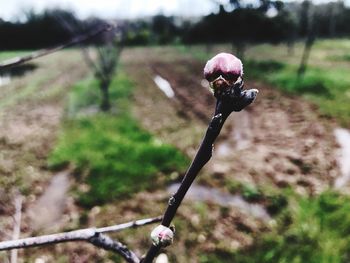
{"x": 4, "y": 55}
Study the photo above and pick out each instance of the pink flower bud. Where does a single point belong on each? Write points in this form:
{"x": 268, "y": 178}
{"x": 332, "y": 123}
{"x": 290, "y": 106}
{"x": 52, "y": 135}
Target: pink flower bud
{"x": 162, "y": 235}
{"x": 223, "y": 70}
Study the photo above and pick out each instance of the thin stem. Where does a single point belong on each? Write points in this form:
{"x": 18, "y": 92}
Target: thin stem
{"x": 105, "y": 242}
{"x": 132, "y": 224}
{"x": 203, "y": 155}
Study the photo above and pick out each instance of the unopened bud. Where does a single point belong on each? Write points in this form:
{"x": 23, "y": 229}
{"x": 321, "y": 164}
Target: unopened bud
{"x": 223, "y": 70}
{"x": 162, "y": 236}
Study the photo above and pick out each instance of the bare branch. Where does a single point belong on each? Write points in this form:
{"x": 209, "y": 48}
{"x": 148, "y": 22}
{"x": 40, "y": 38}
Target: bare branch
{"x": 83, "y": 234}
{"x": 132, "y": 224}
{"x": 17, "y": 225}
{"x": 91, "y": 235}
{"x": 19, "y": 60}
{"x": 90, "y": 62}
{"x": 105, "y": 242}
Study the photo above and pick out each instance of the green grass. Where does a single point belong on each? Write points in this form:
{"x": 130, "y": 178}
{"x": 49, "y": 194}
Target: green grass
{"x": 329, "y": 90}
{"x": 326, "y": 82}
{"x": 311, "y": 230}
{"x": 342, "y": 57}
{"x": 27, "y": 90}
{"x": 4, "y": 55}
{"x": 272, "y": 198}
{"x": 117, "y": 156}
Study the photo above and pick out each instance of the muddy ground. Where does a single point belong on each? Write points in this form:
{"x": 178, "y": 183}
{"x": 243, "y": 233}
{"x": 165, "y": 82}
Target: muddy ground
{"x": 279, "y": 141}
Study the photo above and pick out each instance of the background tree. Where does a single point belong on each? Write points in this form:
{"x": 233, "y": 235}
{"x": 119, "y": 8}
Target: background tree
{"x": 108, "y": 47}
{"x": 104, "y": 67}
{"x": 307, "y": 24}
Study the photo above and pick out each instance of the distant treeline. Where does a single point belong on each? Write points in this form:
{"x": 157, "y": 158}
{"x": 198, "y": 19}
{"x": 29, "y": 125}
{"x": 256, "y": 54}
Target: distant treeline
{"x": 267, "y": 21}
{"x": 47, "y": 29}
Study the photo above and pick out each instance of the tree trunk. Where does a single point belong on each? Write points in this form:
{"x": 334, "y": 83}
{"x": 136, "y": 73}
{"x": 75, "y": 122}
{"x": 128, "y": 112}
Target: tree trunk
{"x": 309, "y": 41}
{"x": 290, "y": 45}
{"x": 239, "y": 48}
{"x": 306, "y": 54}
{"x": 105, "y": 103}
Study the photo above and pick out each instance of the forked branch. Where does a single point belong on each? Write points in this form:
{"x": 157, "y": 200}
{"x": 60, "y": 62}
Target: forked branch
{"x": 94, "y": 236}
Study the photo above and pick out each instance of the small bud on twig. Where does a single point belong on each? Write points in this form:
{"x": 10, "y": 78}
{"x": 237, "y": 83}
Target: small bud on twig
{"x": 222, "y": 71}
{"x": 162, "y": 236}
{"x": 162, "y": 258}
{"x": 225, "y": 75}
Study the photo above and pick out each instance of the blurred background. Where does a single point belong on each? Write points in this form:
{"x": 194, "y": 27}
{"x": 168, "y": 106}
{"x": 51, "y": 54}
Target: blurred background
{"x": 98, "y": 127}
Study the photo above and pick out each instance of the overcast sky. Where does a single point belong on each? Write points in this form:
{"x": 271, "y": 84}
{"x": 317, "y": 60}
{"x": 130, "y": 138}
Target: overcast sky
{"x": 10, "y": 9}
{"x": 13, "y": 9}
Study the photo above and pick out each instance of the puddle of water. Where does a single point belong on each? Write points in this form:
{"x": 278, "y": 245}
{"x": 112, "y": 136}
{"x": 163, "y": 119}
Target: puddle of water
{"x": 223, "y": 150}
{"x": 5, "y": 79}
{"x": 240, "y": 135}
{"x": 205, "y": 84}
{"x": 164, "y": 86}
{"x": 47, "y": 211}
{"x": 17, "y": 71}
{"x": 241, "y": 131}
{"x": 207, "y": 194}
{"x": 343, "y": 138}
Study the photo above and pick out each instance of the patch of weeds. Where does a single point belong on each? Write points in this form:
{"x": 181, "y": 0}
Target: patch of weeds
{"x": 275, "y": 203}
{"x": 251, "y": 194}
{"x": 304, "y": 167}
{"x": 326, "y": 87}
{"x": 86, "y": 94}
{"x": 233, "y": 186}
{"x": 4, "y": 55}
{"x": 343, "y": 57}
{"x": 201, "y": 208}
{"x": 317, "y": 231}
{"x": 311, "y": 83}
{"x": 261, "y": 69}
{"x": 313, "y": 86}
{"x": 117, "y": 156}
{"x": 217, "y": 256}
{"x": 346, "y": 57}
{"x": 115, "y": 258}
{"x": 285, "y": 77}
